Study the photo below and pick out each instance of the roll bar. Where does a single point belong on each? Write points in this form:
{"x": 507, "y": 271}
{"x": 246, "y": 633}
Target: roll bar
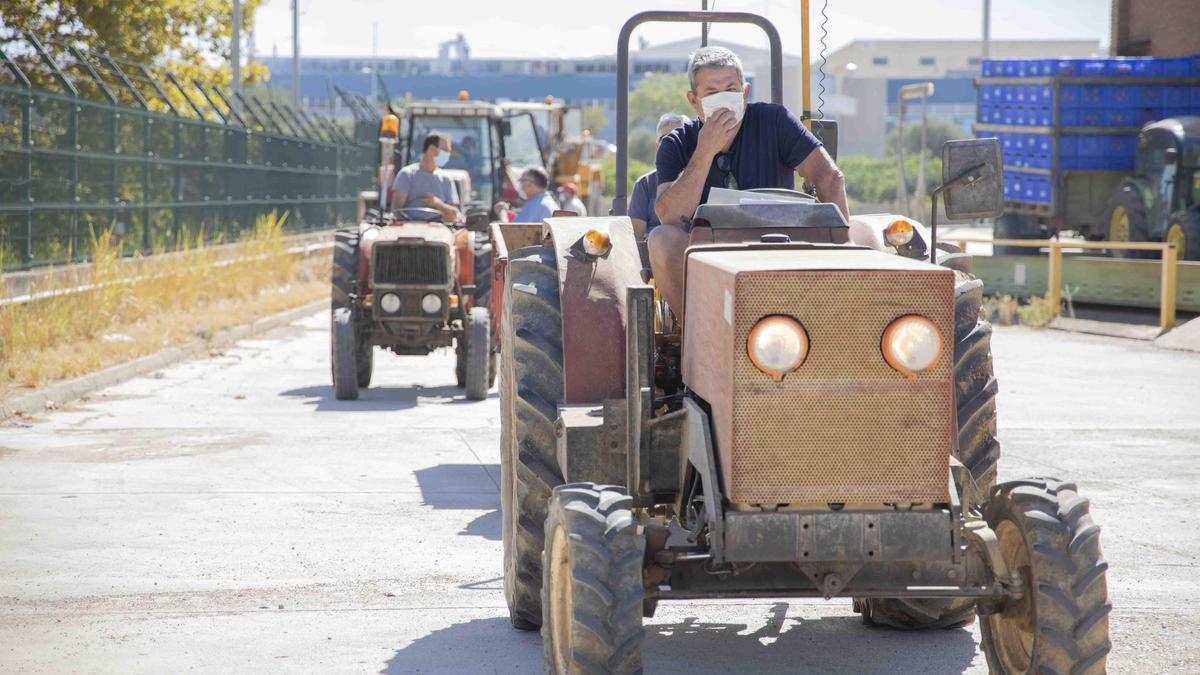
{"x": 619, "y": 204}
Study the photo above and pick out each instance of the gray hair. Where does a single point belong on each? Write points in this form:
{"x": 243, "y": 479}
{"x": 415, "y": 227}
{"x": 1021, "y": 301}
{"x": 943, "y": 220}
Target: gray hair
{"x": 713, "y": 57}
{"x": 670, "y": 121}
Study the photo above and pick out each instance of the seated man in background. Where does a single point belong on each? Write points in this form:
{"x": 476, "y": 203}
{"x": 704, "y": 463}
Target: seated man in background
{"x": 424, "y": 185}
{"x": 645, "y": 190}
{"x": 568, "y": 196}
{"x": 729, "y": 145}
{"x": 539, "y": 205}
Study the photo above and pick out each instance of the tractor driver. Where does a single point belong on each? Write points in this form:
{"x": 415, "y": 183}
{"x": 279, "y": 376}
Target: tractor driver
{"x": 424, "y": 184}
{"x": 731, "y": 144}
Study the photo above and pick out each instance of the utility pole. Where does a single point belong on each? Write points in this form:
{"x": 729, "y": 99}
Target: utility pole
{"x": 235, "y": 45}
{"x": 374, "y": 57}
{"x": 296, "y": 54}
{"x": 987, "y": 28}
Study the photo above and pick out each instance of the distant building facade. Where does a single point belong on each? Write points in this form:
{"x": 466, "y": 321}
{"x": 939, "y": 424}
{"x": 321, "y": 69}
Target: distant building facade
{"x": 1155, "y": 28}
{"x": 587, "y": 81}
{"x": 863, "y": 78}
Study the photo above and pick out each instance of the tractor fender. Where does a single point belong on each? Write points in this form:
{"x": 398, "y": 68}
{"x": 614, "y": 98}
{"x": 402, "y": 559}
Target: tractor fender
{"x": 464, "y": 254}
{"x": 592, "y": 299}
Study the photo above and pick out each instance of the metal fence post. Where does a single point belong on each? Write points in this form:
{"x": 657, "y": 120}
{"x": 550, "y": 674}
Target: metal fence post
{"x": 1054, "y": 283}
{"x": 1166, "y": 315}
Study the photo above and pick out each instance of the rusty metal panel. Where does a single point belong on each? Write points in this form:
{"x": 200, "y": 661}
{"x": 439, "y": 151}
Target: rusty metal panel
{"x": 592, "y": 299}
{"x": 845, "y": 427}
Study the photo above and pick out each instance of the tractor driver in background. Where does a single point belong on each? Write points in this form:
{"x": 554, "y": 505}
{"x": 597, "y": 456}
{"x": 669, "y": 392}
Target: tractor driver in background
{"x": 731, "y": 144}
{"x": 424, "y": 185}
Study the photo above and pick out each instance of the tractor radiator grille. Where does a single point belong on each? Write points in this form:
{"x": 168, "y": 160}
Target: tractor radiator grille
{"x": 410, "y": 264}
{"x": 845, "y": 427}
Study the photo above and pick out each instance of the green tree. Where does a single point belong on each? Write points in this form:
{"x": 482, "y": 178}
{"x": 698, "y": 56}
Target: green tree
{"x": 594, "y": 119}
{"x": 191, "y": 38}
{"x": 939, "y": 132}
{"x": 656, "y": 94}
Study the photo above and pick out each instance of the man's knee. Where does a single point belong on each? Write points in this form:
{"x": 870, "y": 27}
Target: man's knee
{"x": 666, "y": 243}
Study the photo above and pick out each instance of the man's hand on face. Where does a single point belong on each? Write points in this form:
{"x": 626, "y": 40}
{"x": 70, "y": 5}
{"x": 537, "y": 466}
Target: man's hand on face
{"x": 717, "y": 132}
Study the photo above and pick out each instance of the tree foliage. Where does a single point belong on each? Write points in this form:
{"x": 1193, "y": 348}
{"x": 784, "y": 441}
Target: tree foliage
{"x": 656, "y": 94}
{"x": 873, "y": 181}
{"x": 938, "y": 132}
{"x": 191, "y": 38}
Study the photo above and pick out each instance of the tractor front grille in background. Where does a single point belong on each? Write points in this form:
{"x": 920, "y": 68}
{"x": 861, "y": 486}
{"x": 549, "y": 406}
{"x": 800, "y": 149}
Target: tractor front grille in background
{"x": 845, "y": 427}
{"x": 410, "y": 264}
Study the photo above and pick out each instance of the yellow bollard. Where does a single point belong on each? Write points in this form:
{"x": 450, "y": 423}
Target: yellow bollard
{"x": 1054, "y": 283}
{"x": 1166, "y": 312}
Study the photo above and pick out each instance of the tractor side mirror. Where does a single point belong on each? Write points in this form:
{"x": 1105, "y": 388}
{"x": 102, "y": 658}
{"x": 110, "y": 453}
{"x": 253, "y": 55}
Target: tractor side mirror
{"x": 827, "y": 132}
{"x": 972, "y": 178}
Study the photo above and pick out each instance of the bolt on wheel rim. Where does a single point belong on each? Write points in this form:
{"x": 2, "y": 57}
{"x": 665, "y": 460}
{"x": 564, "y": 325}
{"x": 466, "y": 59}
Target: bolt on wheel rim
{"x": 560, "y": 601}
{"x": 1015, "y": 629}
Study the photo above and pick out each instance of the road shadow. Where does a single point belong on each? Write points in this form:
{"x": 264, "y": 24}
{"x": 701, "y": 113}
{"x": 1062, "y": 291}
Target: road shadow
{"x": 464, "y": 486}
{"x": 374, "y": 399}
{"x": 835, "y": 644}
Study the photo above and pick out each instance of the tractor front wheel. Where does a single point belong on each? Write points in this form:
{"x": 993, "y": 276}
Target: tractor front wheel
{"x": 343, "y": 352}
{"x": 1060, "y": 622}
{"x": 478, "y": 332}
{"x": 1126, "y": 221}
{"x": 592, "y": 585}
{"x": 531, "y": 388}
{"x": 1183, "y": 230}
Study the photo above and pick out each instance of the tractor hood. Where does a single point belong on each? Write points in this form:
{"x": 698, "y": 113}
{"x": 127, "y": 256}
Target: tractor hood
{"x": 844, "y": 426}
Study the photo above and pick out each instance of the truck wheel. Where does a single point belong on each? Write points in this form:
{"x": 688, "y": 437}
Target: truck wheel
{"x": 1125, "y": 220}
{"x": 483, "y": 272}
{"x": 1060, "y": 624}
{"x": 1184, "y": 231}
{"x": 1015, "y": 226}
{"x": 592, "y": 589}
{"x": 530, "y": 391}
{"x": 343, "y": 352}
{"x": 975, "y": 399}
{"x": 478, "y": 330}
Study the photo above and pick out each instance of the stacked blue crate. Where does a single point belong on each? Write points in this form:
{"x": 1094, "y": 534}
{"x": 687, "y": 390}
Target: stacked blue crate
{"x": 1121, "y": 103}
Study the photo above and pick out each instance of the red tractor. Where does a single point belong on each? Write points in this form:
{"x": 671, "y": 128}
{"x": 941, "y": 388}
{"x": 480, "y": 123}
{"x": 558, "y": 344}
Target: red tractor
{"x": 822, "y": 424}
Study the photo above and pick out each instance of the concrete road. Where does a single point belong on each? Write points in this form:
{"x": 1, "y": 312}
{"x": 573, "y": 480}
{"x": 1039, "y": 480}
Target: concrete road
{"x": 229, "y": 515}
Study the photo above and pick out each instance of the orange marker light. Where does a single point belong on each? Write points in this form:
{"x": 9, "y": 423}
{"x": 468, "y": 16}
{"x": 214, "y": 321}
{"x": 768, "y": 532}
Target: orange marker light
{"x": 898, "y": 233}
{"x": 463, "y": 95}
{"x": 549, "y": 99}
{"x": 390, "y": 126}
{"x": 596, "y": 243}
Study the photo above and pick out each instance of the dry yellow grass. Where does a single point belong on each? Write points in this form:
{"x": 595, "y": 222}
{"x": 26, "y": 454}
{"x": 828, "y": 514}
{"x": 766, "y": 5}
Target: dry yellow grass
{"x": 178, "y": 298}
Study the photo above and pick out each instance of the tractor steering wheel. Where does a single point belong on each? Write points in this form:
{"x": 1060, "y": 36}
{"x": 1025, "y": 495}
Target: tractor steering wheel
{"x": 419, "y": 213}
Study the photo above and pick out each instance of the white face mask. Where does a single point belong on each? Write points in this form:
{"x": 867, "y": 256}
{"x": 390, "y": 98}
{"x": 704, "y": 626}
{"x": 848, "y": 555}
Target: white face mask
{"x": 733, "y": 100}
{"x": 442, "y": 158}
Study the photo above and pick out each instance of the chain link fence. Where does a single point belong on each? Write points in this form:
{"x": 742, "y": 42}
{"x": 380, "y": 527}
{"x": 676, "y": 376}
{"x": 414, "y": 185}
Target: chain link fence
{"x": 88, "y": 143}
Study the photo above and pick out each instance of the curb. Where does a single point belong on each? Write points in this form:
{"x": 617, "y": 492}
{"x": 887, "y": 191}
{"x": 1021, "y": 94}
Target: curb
{"x": 70, "y": 390}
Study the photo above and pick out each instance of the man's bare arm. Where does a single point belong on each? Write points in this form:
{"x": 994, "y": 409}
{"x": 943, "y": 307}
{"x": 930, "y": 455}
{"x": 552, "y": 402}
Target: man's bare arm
{"x": 820, "y": 170}
{"x": 448, "y": 211}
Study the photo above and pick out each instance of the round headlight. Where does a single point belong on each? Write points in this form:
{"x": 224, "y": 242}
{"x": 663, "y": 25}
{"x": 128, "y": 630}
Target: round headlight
{"x": 431, "y": 304}
{"x": 898, "y": 233}
{"x": 912, "y": 344}
{"x": 777, "y": 345}
{"x": 390, "y": 303}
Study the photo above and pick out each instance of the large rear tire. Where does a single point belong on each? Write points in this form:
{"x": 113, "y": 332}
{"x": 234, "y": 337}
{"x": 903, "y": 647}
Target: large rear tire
{"x": 530, "y": 390}
{"x": 478, "y": 331}
{"x": 975, "y": 400}
{"x": 592, "y": 587}
{"x": 1060, "y": 624}
{"x": 343, "y": 352}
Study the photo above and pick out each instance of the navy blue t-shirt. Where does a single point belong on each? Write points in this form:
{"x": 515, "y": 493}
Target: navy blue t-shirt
{"x": 764, "y": 154}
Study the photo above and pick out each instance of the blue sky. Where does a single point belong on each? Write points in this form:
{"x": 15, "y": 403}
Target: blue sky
{"x": 587, "y": 28}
